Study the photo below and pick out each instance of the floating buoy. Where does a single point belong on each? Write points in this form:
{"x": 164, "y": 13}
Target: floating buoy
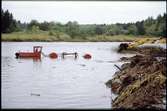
{"x": 53, "y": 55}
{"x": 87, "y": 56}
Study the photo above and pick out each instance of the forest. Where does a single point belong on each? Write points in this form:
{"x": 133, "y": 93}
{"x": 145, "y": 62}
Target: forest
{"x": 73, "y": 30}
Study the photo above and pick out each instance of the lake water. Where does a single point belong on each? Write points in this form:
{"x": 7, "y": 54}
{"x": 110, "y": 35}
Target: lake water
{"x": 58, "y": 83}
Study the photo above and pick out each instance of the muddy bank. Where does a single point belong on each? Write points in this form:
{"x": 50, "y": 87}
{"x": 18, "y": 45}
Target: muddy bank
{"x": 141, "y": 83}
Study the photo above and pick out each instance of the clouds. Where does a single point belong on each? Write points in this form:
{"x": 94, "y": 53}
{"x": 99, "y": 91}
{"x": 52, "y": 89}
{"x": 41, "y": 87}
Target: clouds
{"x": 84, "y": 12}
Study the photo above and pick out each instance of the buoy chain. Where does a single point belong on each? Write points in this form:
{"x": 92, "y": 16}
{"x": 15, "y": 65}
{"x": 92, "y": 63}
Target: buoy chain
{"x": 55, "y": 55}
{"x": 44, "y": 54}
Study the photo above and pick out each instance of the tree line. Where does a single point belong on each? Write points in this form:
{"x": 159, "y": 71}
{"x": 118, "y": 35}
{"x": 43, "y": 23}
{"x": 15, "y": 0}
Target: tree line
{"x": 150, "y": 26}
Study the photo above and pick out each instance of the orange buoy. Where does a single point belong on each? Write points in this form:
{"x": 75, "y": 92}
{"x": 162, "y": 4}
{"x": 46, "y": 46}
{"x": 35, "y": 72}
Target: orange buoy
{"x": 53, "y": 55}
{"x": 87, "y": 56}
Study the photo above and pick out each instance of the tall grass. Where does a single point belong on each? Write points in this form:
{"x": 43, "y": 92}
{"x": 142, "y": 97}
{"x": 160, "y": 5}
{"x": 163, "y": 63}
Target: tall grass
{"x": 42, "y": 36}
{"x": 50, "y": 36}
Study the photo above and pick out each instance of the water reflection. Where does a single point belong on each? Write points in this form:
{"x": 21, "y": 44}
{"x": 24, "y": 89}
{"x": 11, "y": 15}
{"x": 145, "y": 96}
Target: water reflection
{"x": 35, "y": 59}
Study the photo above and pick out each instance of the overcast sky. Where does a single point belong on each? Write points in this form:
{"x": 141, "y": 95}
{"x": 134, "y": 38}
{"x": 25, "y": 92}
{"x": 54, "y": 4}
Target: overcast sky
{"x": 84, "y": 12}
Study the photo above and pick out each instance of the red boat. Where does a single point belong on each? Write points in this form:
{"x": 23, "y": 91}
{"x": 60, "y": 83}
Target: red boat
{"x": 35, "y": 54}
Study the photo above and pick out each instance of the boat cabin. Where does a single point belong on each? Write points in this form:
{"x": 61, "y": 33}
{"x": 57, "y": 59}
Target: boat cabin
{"x": 37, "y": 49}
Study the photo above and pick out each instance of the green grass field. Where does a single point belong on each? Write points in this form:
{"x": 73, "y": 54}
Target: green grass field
{"x": 46, "y": 36}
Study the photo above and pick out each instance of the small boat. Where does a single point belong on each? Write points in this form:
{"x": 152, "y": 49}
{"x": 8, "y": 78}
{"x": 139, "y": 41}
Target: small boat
{"x": 35, "y": 54}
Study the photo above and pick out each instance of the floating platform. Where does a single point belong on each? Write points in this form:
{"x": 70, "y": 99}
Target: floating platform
{"x": 65, "y": 53}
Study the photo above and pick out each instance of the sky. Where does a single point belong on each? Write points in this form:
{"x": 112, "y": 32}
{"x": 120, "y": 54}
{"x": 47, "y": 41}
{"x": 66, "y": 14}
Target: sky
{"x": 86, "y": 12}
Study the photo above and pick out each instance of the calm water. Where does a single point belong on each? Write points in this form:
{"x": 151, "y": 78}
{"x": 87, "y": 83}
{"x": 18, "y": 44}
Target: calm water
{"x": 58, "y": 83}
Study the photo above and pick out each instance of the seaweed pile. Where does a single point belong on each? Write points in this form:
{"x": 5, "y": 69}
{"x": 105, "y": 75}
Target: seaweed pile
{"x": 141, "y": 83}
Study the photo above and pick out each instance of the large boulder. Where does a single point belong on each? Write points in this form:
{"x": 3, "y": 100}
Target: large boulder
{"x": 123, "y": 46}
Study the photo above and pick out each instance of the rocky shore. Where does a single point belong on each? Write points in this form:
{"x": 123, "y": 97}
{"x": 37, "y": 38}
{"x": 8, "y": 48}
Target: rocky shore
{"x": 141, "y": 83}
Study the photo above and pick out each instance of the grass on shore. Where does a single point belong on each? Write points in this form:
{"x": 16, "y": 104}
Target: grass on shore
{"x": 45, "y": 36}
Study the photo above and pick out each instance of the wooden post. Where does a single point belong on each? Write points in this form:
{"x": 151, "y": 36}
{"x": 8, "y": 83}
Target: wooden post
{"x": 63, "y": 55}
{"x": 117, "y": 67}
{"x": 75, "y": 55}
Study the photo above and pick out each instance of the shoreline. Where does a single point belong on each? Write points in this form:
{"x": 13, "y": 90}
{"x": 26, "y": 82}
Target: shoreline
{"x": 141, "y": 82}
{"x": 44, "y": 37}
{"x": 68, "y": 41}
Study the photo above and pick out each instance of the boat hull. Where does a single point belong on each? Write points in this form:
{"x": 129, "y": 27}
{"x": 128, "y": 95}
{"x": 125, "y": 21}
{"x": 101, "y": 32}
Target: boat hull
{"x": 28, "y": 55}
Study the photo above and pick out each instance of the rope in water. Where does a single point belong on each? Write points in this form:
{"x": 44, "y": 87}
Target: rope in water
{"x": 44, "y": 54}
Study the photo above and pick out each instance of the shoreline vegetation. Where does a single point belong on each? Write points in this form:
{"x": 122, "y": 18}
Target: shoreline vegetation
{"x": 72, "y": 31}
{"x": 47, "y": 37}
{"x": 140, "y": 83}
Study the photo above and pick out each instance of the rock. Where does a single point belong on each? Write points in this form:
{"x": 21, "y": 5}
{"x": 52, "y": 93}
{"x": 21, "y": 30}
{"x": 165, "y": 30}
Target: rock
{"x": 127, "y": 80}
{"x": 139, "y": 84}
{"x": 124, "y": 66}
{"x": 123, "y": 46}
{"x": 108, "y": 83}
{"x": 124, "y": 58}
{"x": 134, "y": 60}
{"x": 116, "y": 87}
